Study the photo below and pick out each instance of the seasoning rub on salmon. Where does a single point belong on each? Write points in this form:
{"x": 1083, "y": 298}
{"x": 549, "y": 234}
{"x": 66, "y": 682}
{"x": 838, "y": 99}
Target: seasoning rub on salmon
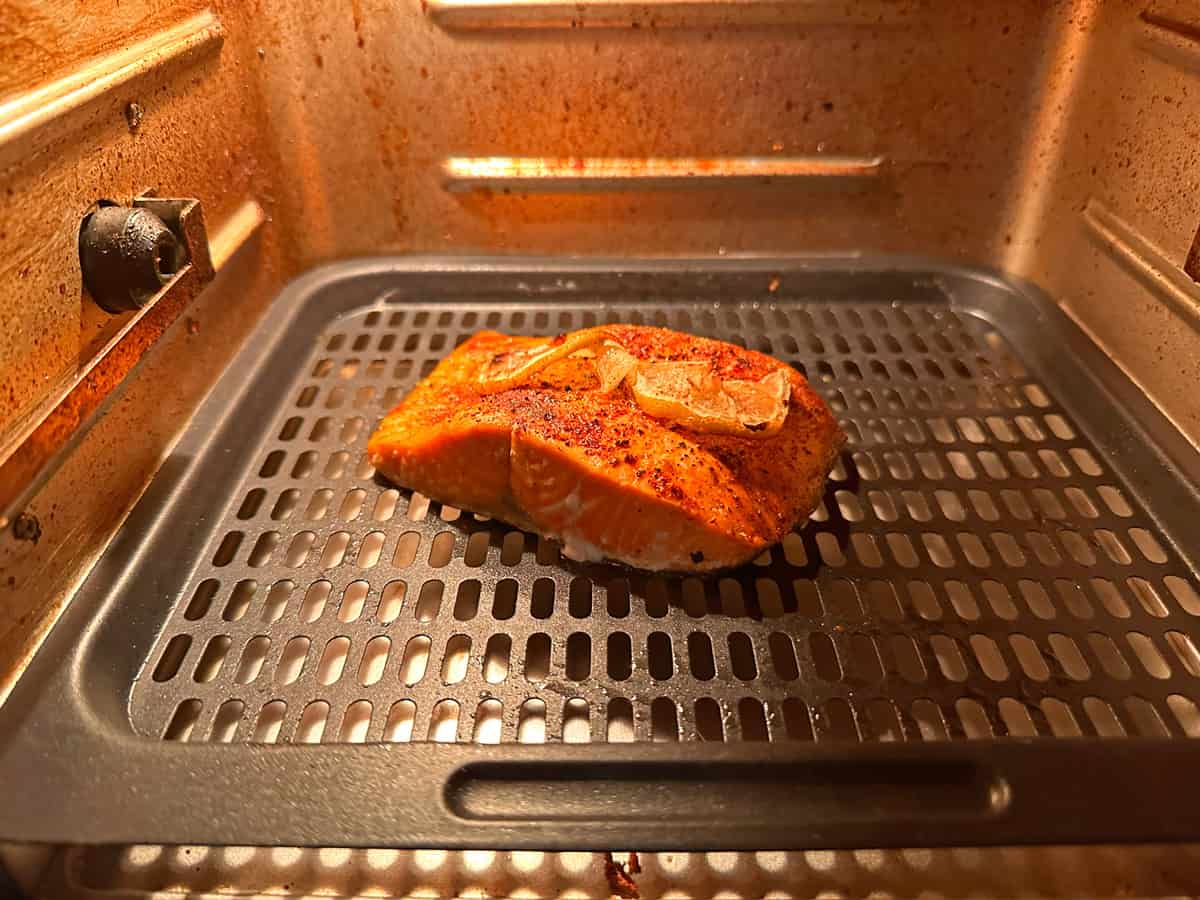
{"x": 655, "y": 448}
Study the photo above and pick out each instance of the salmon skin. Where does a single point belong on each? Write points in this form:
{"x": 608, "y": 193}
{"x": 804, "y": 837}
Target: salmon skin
{"x": 559, "y": 455}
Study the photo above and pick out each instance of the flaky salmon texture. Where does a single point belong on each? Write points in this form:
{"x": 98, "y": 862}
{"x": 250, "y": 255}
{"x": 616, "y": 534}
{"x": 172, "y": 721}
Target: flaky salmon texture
{"x": 651, "y": 447}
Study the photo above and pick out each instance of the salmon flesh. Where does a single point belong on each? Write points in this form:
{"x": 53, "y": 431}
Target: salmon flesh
{"x": 651, "y": 447}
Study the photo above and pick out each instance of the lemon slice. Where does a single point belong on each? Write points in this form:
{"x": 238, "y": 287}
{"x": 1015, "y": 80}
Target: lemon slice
{"x": 515, "y": 367}
{"x": 687, "y": 393}
{"x": 690, "y": 395}
{"x": 612, "y": 365}
{"x": 761, "y": 405}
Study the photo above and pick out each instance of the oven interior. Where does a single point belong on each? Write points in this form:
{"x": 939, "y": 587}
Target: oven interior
{"x": 973, "y": 228}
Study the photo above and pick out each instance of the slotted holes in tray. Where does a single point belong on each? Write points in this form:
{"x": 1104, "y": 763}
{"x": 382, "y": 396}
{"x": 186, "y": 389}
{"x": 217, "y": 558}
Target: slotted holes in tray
{"x": 976, "y": 569}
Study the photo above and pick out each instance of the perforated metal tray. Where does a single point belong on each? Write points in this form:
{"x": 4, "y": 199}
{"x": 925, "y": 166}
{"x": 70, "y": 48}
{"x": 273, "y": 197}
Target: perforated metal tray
{"x": 282, "y": 649}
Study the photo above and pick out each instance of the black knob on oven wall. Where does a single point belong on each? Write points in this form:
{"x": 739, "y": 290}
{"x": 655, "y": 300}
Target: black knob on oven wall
{"x": 126, "y": 256}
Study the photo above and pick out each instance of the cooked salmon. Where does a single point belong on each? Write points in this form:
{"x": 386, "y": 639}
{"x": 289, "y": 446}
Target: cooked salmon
{"x": 655, "y": 448}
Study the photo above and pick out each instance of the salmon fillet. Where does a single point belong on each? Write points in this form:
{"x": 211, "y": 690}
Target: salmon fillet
{"x": 560, "y": 456}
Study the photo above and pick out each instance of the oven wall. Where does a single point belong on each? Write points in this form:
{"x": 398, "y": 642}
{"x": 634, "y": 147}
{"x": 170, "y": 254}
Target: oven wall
{"x": 1109, "y": 193}
{"x": 69, "y": 72}
{"x": 370, "y": 102}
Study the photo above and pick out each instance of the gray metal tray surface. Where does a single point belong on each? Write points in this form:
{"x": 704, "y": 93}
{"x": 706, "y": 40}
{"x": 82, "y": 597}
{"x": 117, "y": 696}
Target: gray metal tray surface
{"x": 985, "y": 634}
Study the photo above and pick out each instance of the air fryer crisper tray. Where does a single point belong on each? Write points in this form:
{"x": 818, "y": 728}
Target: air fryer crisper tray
{"x": 985, "y": 635}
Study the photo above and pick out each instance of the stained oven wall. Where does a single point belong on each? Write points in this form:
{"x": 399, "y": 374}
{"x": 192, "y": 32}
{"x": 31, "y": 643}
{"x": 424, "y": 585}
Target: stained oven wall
{"x": 70, "y": 75}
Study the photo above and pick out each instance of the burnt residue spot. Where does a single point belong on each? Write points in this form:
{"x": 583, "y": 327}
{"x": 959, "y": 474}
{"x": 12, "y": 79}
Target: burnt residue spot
{"x": 827, "y": 106}
{"x": 697, "y": 556}
{"x": 619, "y": 882}
{"x": 356, "y": 13}
{"x": 26, "y": 527}
{"x": 134, "y": 113}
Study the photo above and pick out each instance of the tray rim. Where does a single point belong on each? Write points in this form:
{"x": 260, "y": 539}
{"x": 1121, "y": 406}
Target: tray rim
{"x": 1041, "y": 791}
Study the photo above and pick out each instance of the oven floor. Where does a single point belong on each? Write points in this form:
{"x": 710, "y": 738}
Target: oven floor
{"x": 1052, "y": 872}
